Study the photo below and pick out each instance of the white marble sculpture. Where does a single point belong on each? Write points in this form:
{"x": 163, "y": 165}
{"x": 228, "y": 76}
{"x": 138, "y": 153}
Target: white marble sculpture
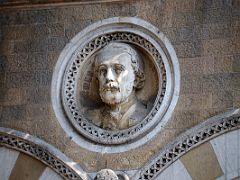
{"x": 106, "y": 174}
{"x": 118, "y": 70}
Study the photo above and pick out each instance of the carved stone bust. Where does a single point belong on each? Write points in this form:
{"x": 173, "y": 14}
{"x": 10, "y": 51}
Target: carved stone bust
{"x": 118, "y": 70}
{"x": 106, "y": 174}
{"x": 115, "y": 82}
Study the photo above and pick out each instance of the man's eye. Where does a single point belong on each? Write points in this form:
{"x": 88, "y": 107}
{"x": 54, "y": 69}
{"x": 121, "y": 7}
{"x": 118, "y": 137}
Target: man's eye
{"x": 119, "y": 69}
{"x": 102, "y": 71}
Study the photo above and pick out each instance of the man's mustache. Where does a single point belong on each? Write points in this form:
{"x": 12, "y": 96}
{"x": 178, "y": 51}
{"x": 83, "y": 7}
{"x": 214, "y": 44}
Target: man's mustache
{"x": 111, "y": 86}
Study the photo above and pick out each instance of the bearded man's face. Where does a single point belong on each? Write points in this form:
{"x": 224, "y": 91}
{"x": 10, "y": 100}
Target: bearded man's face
{"x": 116, "y": 78}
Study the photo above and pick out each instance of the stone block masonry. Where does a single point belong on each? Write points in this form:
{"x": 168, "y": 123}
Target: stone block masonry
{"x": 205, "y": 35}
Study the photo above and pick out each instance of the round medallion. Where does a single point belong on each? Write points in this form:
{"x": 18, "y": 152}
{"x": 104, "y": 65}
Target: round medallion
{"x": 116, "y": 83}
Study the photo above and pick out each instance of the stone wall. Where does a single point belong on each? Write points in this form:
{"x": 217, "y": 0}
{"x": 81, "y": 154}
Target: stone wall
{"x": 204, "y": 33}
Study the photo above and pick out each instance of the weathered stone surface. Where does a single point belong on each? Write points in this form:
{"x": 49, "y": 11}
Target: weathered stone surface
{"x": 189, "y": 49}
{"x": 190, "y": 117}
{"x": 191, "y": 84}
{"x": 236, "y": 81}
{"x": 205, "y": 34}
{"x": 21, "y": 46}
{"x": 6, "y": 47}
{"x": 215, "y": 82}
{"x": 38, "y": 32}
{"x": 55, "y": 30}
{"x": 209, "y": 4}
{"x": 204, "y": 158}
{"x": 236, "y": 100}
{"x": 37, "y": 61}
{"x": 8, "y": 33}
{"x": 120, "y": 9}
{"x": 36, "y": 95}
{"x": 11, "y": 97}
{"x": 236, "y": 63}
{"x": 223, "y": 99}
{"x": 216, "y": 31}
{"x": 38, "y": 44}
{"x": 22, "y": 33}
{"x": 51, "y": 59}
{"x": 192, "y": 66}
{"x": 3, "y": 63}
{"x": 226, "y": 46}
{"x": 223, "y": 64}
{"x": 17, "y": 63}
{"x": 195, "y": 101}
{"x": 217, "y": 15}
{"x": 2, "y": 79}
{"x": 19, "y": 79}
{"x": 56, "y": 44}
{"x": 27, "y": 168}
{"x": 71, "y": 29}
{"x": 13, "y": 113}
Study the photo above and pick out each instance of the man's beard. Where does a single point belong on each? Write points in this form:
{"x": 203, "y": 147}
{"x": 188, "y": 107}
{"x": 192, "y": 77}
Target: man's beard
{"x": 112, "y": 94}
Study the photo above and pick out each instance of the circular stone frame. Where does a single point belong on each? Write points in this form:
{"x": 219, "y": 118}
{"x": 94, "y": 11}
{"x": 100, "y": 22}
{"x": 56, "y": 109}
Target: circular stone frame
{"x": 84, "y": 44}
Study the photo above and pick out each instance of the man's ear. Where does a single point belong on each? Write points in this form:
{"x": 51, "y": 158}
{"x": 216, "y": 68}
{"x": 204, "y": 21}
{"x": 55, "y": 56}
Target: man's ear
{"x": 139, "y": 80}
{"x": 135, "y": 83}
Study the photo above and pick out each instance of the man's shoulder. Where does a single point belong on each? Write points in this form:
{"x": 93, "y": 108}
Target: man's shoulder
{"x": 139, "y": 113}
{"x": 94, "y": 115}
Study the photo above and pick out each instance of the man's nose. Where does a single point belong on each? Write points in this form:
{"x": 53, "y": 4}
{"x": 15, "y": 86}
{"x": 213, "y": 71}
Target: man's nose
{"x": 110, "y": 76}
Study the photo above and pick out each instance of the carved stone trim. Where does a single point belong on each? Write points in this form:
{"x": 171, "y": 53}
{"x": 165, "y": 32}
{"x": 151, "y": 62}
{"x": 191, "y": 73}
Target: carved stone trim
{"x": 51, "y": 3}
{"x": 211, "y": 128}
{"x": 42, "y": 151}
{"x": 79, "y": 51}
{"x": 69, "y": 89}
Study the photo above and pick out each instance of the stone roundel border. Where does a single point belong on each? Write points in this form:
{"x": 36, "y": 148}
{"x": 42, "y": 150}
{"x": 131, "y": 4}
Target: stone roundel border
{"x": 69, "y": 94}
{"x": 192, "y": 138}
{"x": 42, "y": 151}
{"x": 123, "y": 29}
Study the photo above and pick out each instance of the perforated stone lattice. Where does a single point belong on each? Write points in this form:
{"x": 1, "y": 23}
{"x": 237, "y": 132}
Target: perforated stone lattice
{"x": 168, "y": 156}
{"x": 40, "y": 153}
{"x": 69, "y": 92}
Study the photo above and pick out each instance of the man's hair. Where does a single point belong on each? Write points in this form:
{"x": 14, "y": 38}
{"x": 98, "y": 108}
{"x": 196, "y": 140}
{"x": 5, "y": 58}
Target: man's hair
{"x": 112, "y": 49}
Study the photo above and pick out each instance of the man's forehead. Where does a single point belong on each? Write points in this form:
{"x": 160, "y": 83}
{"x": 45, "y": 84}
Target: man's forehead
{"x": 114, "y": 58}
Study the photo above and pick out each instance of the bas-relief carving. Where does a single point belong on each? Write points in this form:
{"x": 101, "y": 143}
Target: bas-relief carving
{"x": 108, "y": 174}
{"x": 117, "y": 108}
{"x": 119, "y": 72}
{"x": 82, "y": 94}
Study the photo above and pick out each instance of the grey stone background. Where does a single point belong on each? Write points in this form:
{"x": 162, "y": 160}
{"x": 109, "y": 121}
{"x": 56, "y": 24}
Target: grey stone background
{"x": 204, "y": 33}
